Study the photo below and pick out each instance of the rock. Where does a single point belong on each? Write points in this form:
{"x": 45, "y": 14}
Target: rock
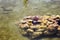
{"x": 25, "y": 26}
{"x": 46, "y": 17}
{"x": 58, "y": 28}
{"x": 55, "y": 25}
{"x": 29, "y": 22}
{"x": 30, "y": 31}
{"x": 24, "y": 33}
{"x": 48, "y": 23}
{"x": 50, "y": 27}
{"x": 23, "y": 21}
{"x": 34, "y": 26}
{"x": 35, "y": 18}
{"x": 40, "y": 30}
{"x": 44, "y": 21}
{"x": 48, "y": 33}
{"x": 42, "y": 26}
{"x": 34, "y": 22}
{"x": 58, "y": 16}
{"x": 36, "y": 34}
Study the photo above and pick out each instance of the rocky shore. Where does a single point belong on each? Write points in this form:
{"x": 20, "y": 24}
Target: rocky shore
{"x": 37, "y": 26}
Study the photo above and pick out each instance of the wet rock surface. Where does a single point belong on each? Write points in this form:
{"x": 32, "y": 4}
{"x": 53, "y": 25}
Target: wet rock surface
{"x": 38, "y": 26}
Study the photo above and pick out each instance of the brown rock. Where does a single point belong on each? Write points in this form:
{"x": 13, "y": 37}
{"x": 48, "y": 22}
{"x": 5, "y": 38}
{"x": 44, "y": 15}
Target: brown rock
{"x": 30, "y": 31}
{"x": 40, "y": 30}
{"x": 48, "y": 33}
{"x": 23, "y": 26}
{"x": 36, "y": 34}
{"x": 50, "y": 27}
{"x": 58, "y": 28}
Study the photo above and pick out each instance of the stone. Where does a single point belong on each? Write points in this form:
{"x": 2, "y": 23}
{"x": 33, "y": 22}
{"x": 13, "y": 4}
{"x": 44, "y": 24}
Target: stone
{"x": 30, "y": 31}
{"x": 36, "y": 34}
{"x": 40, "y": 30}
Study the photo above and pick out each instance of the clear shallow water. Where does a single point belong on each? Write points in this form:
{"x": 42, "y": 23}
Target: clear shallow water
{"x": 4, "y": 19}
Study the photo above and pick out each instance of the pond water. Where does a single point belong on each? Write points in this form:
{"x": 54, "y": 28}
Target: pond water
{"x": 35, "y": 8}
